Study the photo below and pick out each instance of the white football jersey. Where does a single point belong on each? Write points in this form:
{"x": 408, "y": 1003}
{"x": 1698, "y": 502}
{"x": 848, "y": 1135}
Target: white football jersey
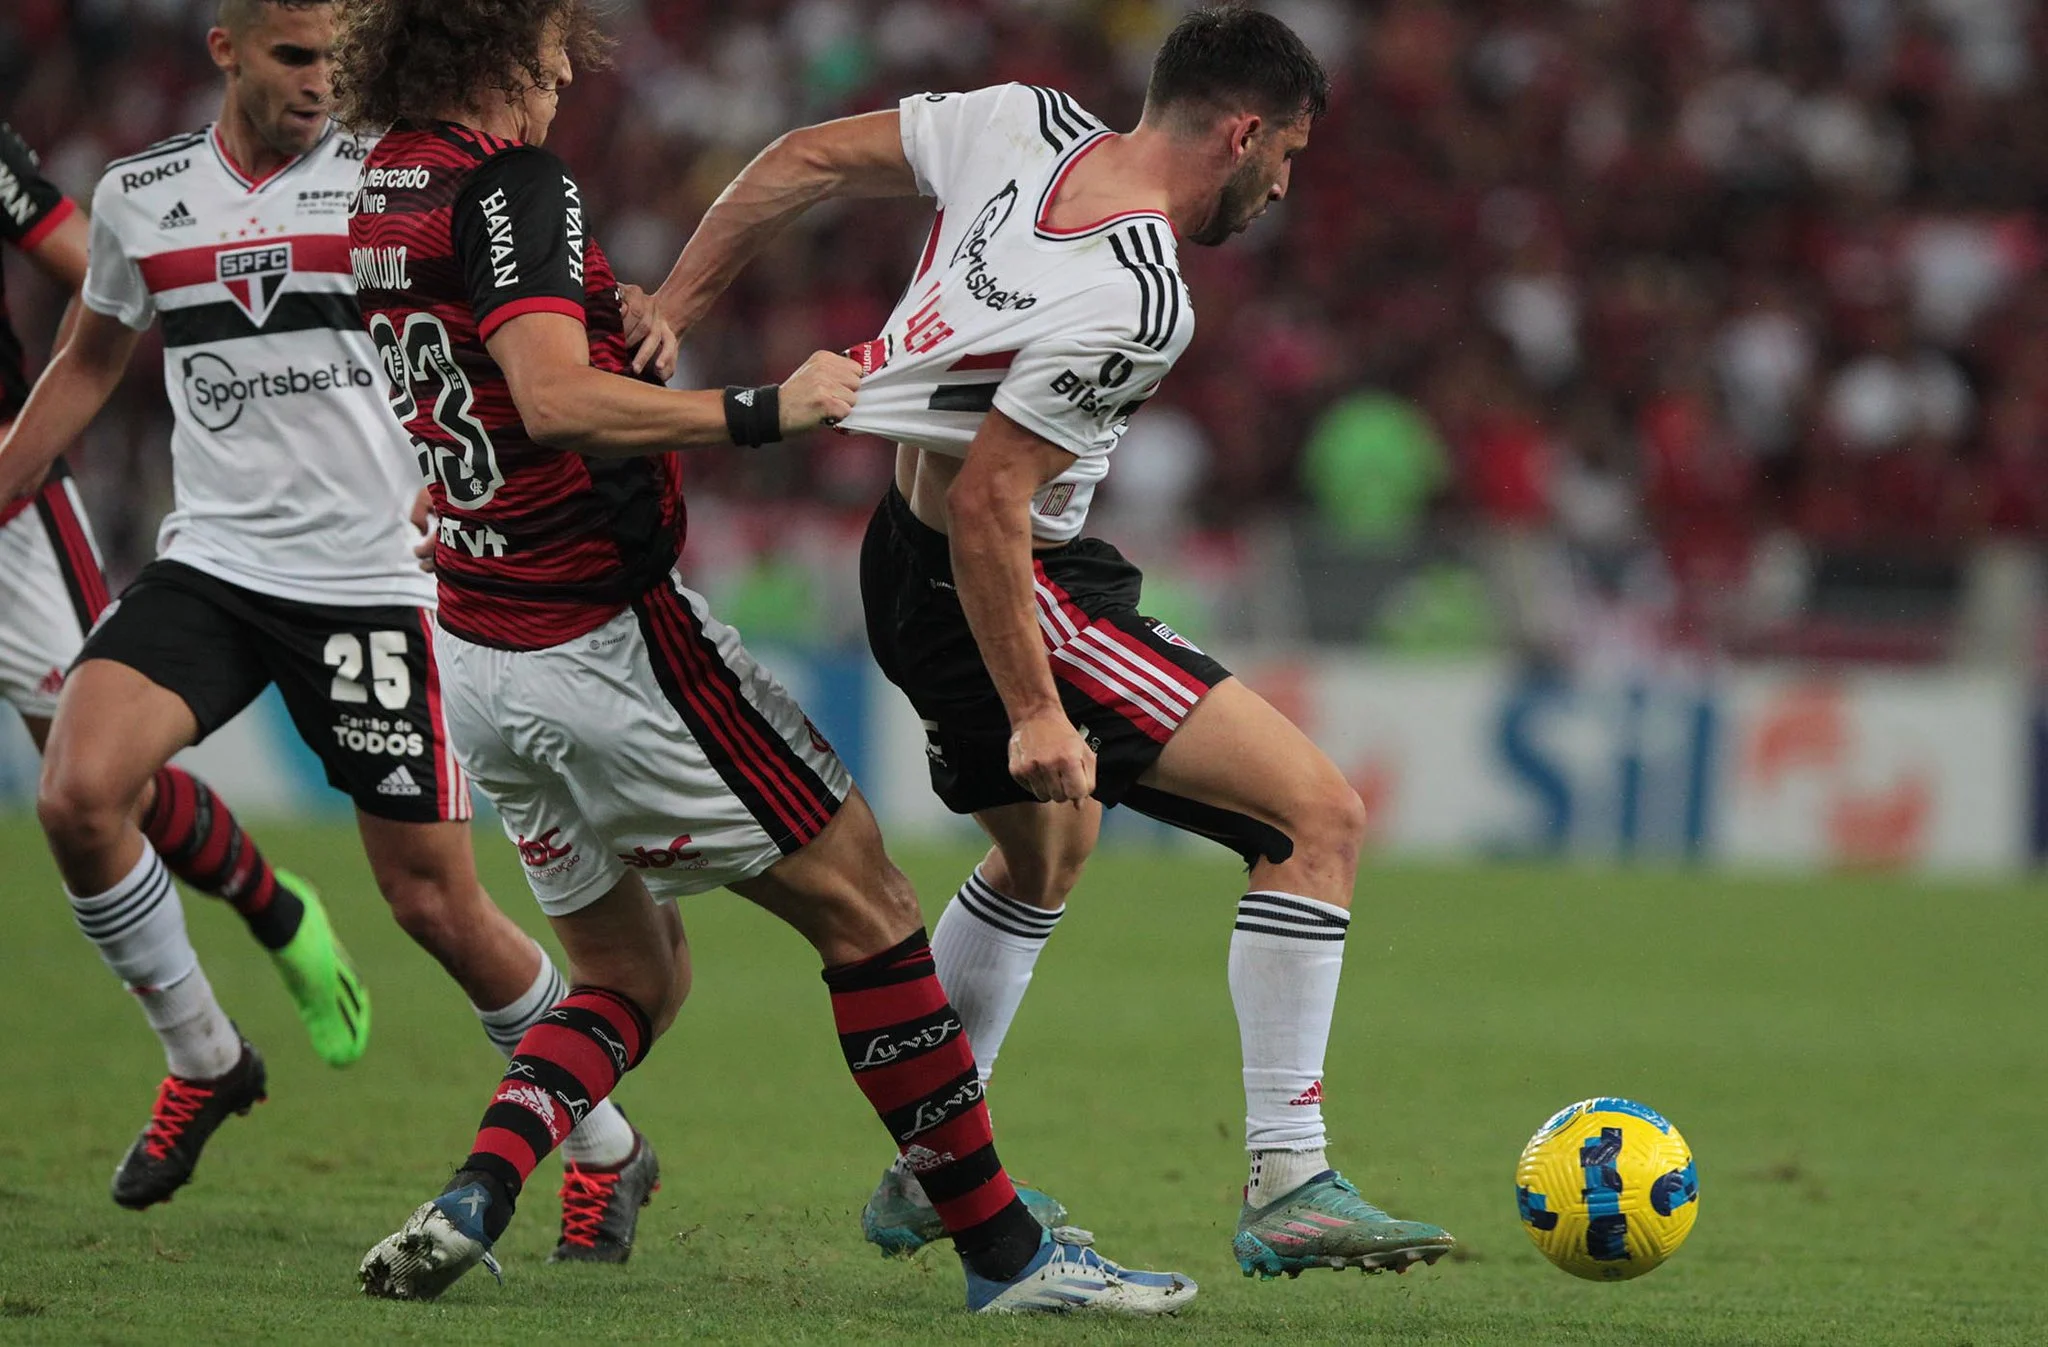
{"x": 1066, "y": 332}
{"x": 291, "y": 476}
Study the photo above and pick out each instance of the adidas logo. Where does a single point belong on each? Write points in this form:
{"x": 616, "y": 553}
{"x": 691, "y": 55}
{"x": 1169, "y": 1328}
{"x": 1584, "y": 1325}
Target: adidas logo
{"x": 177, "y": 217}
{"x": 400, "y": 782}
{"x": 745, "y": 397}
{"x": 1312, "y": 1095}
{"x": 52, "y": 684}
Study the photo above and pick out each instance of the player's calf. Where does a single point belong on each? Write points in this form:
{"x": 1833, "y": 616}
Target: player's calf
{"x": 200, "y": 840}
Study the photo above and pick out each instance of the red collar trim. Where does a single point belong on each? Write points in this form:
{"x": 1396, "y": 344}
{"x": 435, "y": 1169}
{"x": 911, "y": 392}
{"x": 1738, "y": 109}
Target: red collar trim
{"x": 1087, "y": 148}
{"x": 249, "y": 184}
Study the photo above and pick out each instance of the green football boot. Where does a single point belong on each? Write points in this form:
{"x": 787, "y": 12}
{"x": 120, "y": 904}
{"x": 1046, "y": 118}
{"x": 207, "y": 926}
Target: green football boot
{"x": 899, "y": 1219}
{"x": 1325, "y": 1223}
{"x": 316, "y": 970}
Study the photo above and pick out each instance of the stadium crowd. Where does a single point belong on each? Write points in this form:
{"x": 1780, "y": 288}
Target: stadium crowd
{"x": 1665, "y": 324}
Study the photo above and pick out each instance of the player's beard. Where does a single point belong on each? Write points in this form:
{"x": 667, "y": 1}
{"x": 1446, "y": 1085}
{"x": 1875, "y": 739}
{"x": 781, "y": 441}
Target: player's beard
{"x": 1236, "y": 205}
{"x": 286, "y": 135}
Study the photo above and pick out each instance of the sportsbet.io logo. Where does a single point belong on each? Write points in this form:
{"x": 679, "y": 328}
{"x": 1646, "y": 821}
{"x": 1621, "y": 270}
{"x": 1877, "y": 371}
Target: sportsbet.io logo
{"x": 216, "y": 393}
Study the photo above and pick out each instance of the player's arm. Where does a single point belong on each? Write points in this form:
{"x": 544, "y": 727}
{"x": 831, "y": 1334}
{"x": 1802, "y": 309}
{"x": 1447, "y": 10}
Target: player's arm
{"x": 517, "y": 229}
{"x": 852, "y": 157}
{"x": 51, "y": 233}
{"x": 988, "y": 509}
{"x": 60, "y": 254}
{"x": 566, "y": 404}
{"x": 73, "y": 387}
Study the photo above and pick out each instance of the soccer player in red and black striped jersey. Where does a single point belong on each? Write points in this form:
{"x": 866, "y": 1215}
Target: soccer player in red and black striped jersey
{"x": 634, "y": 750}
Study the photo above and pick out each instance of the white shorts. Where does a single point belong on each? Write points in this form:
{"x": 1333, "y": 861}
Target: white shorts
{"x": 51, "y": 592}
{"x": 654, "y": 743}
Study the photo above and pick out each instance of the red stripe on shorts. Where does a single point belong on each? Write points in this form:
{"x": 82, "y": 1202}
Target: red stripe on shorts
{"x": 716, "y": 706}
{"x": 1111, "y": 667}
{"x": 75, "y": 556}
{"x": 448, "y": 777}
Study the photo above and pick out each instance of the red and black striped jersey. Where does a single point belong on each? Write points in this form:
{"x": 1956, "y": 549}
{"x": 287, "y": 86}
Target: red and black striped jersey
{"x": 452, "y": 234}
{"x": 30, "y": 207}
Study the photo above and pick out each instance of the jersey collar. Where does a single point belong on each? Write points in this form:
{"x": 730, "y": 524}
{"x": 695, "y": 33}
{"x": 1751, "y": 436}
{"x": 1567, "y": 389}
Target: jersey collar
{"x": 249, "y": 184}
{"x": 1052, "y": 189}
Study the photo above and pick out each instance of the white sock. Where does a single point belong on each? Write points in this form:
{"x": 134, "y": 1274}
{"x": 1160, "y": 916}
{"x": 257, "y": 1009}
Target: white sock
{"x": 604, "y": 1139}
{"x": 1278, "y": 1173}
{"x": 200, "y": 1041}
{"x": 138, "y": 926}
{"x": 984, "y": 949}
{"x": 1286, "y": 955}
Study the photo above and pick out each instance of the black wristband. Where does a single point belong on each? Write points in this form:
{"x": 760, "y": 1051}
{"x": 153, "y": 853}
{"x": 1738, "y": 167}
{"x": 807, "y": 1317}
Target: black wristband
{"x": 753, "y": 415}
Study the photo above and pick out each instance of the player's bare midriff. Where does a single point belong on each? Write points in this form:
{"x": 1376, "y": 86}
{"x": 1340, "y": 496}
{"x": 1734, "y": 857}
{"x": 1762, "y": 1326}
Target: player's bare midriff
{"x": 923, "y": 478}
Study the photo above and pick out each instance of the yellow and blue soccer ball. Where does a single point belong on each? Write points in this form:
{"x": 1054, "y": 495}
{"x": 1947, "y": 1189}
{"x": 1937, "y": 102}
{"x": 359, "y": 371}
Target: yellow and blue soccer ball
{"x": 1607, "y": 1189}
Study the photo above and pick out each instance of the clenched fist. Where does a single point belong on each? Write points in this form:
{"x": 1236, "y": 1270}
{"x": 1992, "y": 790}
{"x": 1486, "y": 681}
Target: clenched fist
{"x": 820, "y": 393}
{"x": 1049, "y": 758}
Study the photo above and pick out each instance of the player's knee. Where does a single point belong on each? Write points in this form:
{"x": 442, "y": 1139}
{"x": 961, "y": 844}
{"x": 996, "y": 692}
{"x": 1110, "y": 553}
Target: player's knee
{"x": 1327, "y": 820}
{"x": 858, "y": 918}
{"x": 670, "y": 1004}
{"x": 648, "y": 976}
{"x": 888, "y": 903}
{"x": 79, "y": 810}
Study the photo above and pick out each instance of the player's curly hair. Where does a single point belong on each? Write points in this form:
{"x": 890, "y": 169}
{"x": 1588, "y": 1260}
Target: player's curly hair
{"x": 416, "y": 58}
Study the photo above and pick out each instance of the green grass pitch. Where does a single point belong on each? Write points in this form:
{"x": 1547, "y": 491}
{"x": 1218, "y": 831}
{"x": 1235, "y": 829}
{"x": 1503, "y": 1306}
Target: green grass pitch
{"x": 1858, "y": 1064}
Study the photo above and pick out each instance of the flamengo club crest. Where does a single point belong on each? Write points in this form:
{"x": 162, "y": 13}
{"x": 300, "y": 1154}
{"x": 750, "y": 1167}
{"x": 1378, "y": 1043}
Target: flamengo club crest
{"x": 254, "y": 276}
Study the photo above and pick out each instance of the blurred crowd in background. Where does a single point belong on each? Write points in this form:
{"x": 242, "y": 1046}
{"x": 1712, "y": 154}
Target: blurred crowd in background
{"x": 1633, "y": 330}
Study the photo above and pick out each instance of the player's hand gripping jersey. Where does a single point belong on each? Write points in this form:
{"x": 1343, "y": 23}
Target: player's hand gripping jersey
{"x": 291, "y": 477}
{"x": 456, "y": 233}
{"x": 1066, "y": 332}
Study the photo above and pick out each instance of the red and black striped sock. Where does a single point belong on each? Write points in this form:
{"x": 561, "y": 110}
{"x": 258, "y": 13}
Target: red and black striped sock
{"x": 562, "y": 1069}
{"x": 200, "y": 841}
{"x": 910, "y": 1057}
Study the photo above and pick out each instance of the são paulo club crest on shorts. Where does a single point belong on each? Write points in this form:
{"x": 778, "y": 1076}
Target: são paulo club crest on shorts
{"x": 254, "y": 277}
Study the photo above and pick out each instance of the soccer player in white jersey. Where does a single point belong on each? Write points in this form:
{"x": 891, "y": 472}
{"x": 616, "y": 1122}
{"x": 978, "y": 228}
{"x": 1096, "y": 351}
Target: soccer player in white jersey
{"x": 287, "y": 559}
{"x": 1045, "y": 310}
{"x": 52, "y": 593}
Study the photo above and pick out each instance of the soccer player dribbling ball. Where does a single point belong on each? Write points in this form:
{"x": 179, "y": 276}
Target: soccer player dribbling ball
{"x": 286, "y": 560}
{"x": 592, "y": 696}
{"x": 1045, "y": 310}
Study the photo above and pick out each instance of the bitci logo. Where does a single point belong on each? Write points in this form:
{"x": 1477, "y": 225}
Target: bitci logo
{"x": 254, "y": 277}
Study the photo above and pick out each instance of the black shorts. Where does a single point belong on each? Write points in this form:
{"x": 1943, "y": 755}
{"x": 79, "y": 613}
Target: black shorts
{"x": 360, "y": 683}
{"x": 1127, "y": 680}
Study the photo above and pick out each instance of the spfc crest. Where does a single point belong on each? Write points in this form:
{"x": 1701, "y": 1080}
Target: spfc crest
{"x": 255, "y": 276}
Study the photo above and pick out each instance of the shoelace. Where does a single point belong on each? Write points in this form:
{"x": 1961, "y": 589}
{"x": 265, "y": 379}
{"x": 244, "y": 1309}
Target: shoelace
{"x": 178, "y": 1102}
{"x": 586, "y": 1194}
{"x": 1075, "y": 1247}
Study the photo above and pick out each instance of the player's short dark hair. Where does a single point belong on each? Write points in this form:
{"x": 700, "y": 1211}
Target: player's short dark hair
{"x": 414, "y": 58}
{"x": 1236, "y": 57}
{"x": 239, "y": 16}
